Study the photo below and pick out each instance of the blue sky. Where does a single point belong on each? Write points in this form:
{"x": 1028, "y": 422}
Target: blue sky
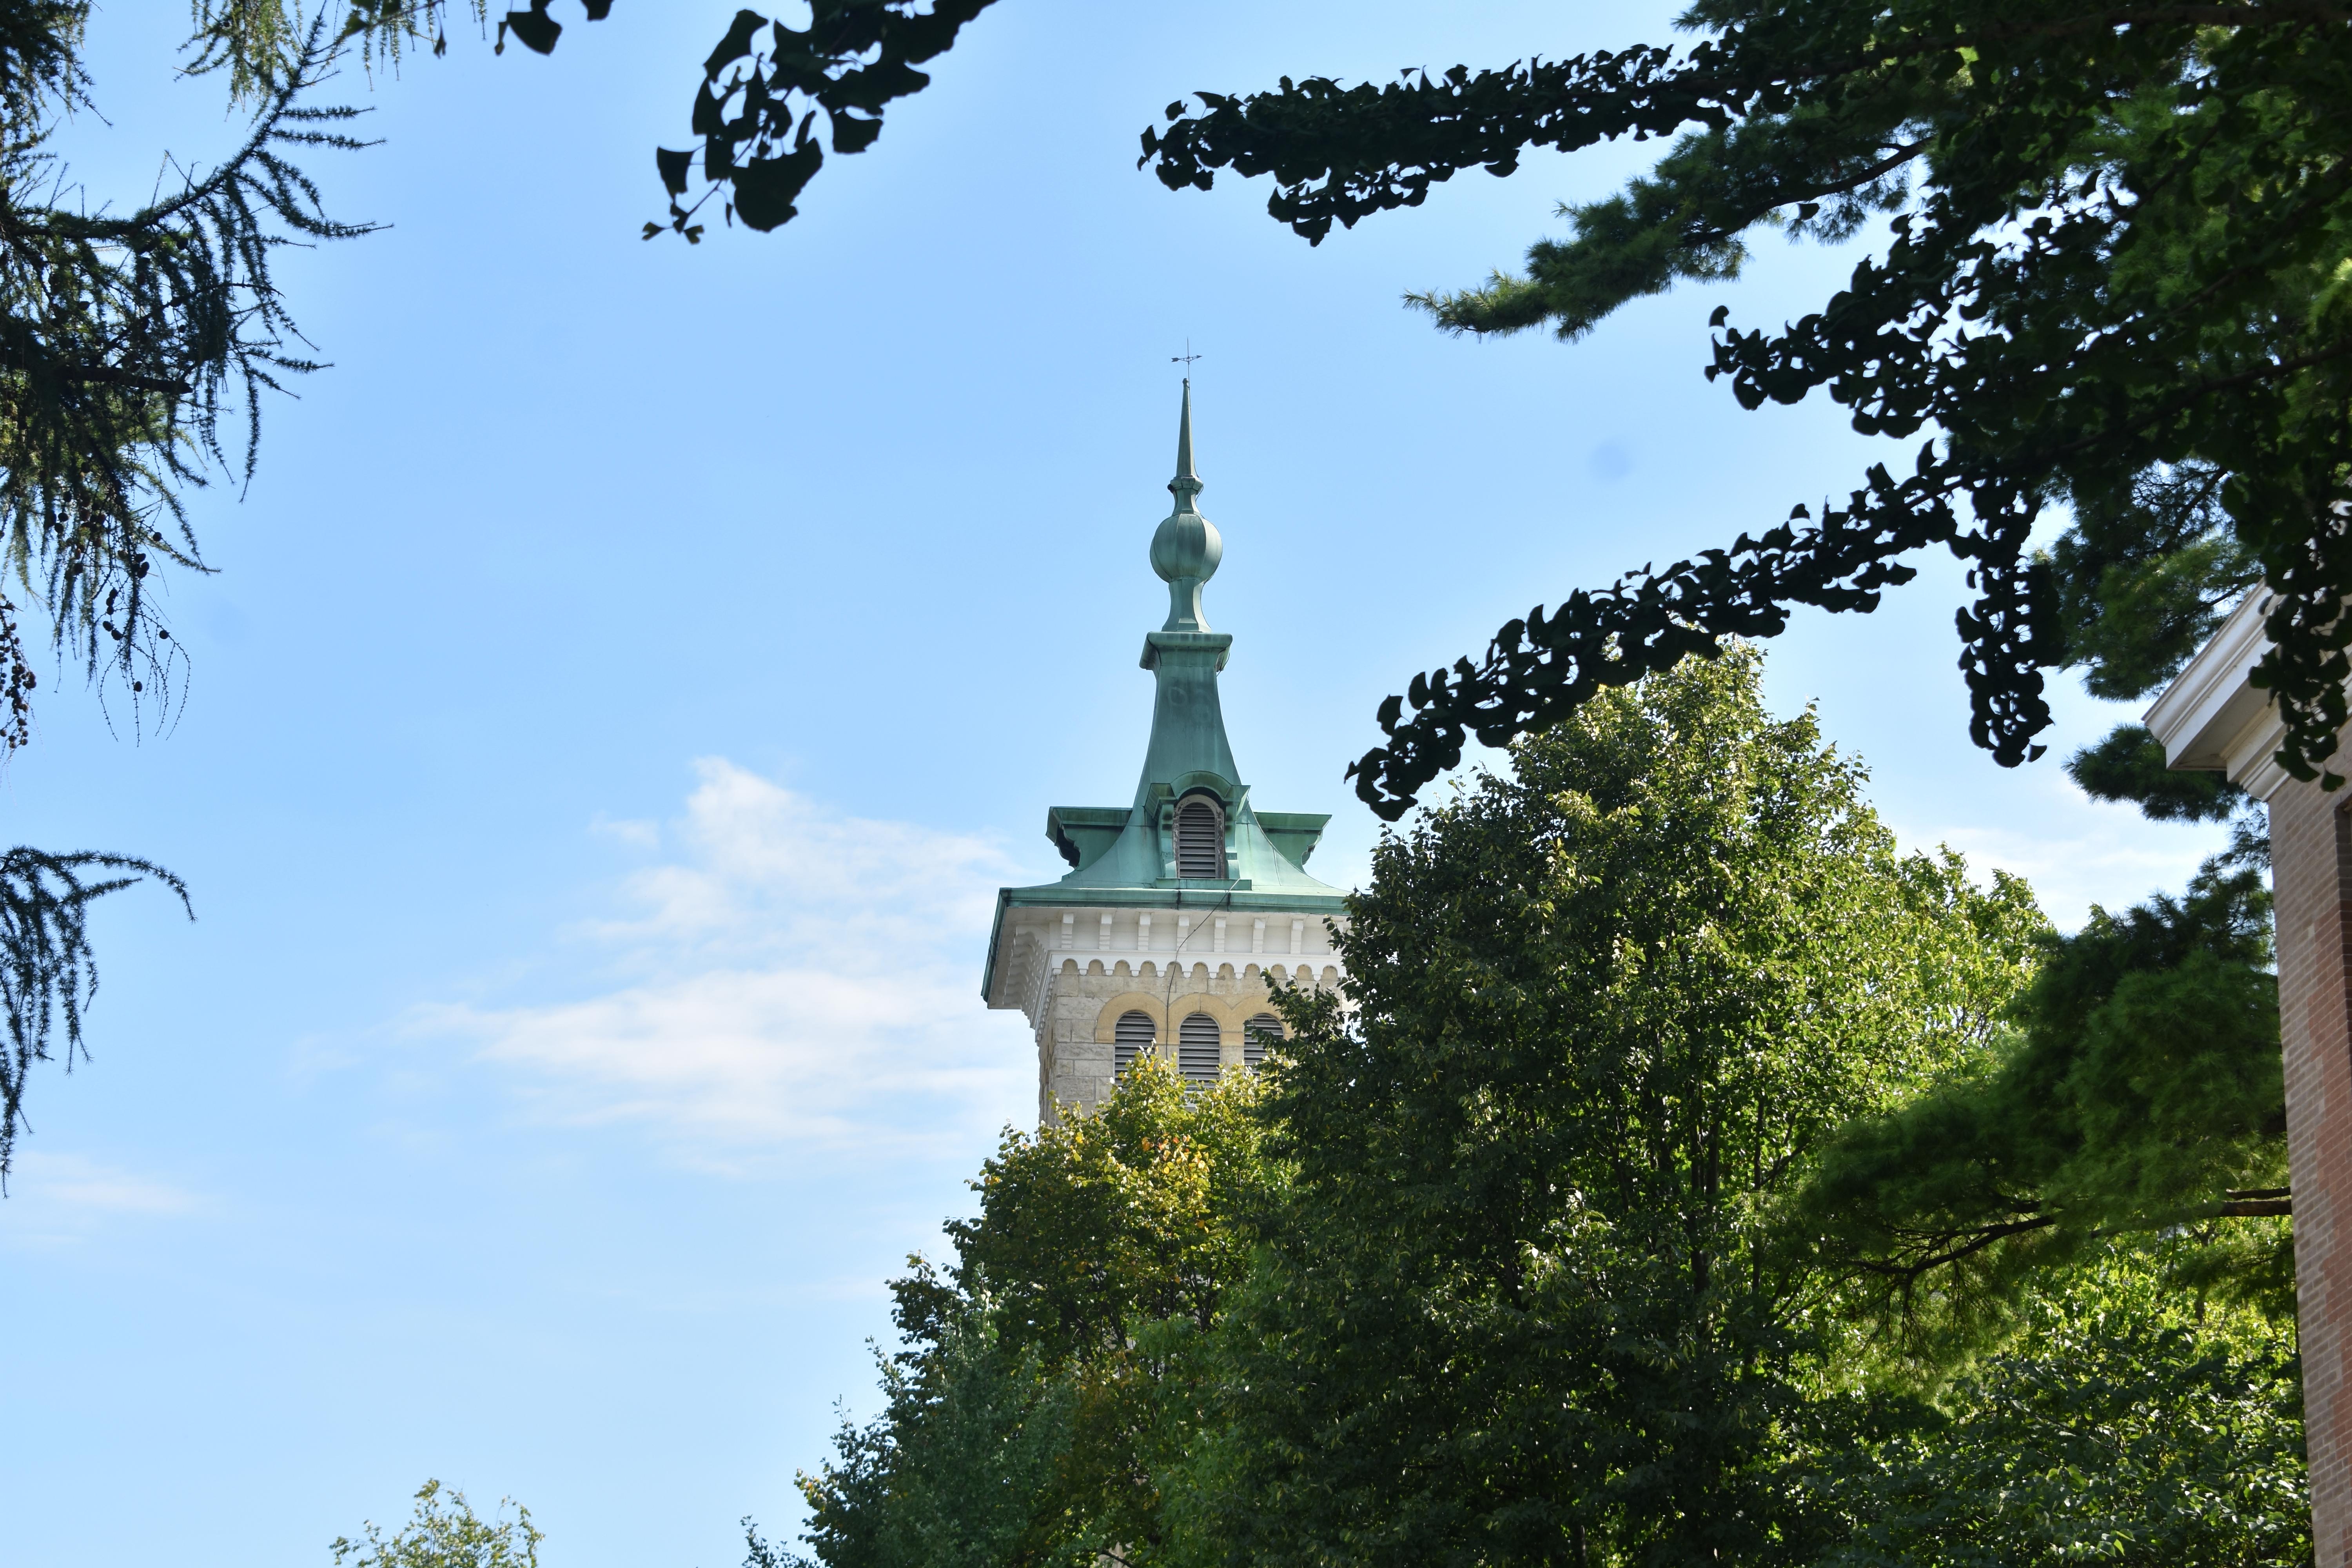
{"x": 635, "y": 666}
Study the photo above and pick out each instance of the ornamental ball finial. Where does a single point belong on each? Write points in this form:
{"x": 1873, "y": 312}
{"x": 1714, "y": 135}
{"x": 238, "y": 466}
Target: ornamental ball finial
{"x": 1186, "y": 549}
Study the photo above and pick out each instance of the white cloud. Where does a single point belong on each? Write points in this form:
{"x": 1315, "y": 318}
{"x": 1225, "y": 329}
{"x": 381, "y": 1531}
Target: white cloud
{"x": 796, "y": 979}
{"x": 2078, "y": 852}
{"x": 632, "y": 831}
{"x": 45, "y": 1180}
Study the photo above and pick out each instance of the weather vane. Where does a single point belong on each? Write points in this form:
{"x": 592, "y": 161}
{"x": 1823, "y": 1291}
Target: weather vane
{"x": 1185, "y": 359}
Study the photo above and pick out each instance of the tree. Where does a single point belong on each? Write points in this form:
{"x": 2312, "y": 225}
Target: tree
{"x": 754, "y": 107}
{"x": 2113, "y": 284}
{"x": 961, "y": 1469}
{"x": 1530, "y": 1302}
{"x": 1518, "y": 1253}
{"x": 1047, "y": 1380}
{"x": 48, "y": 973}
{"x": 2124, "y": 1422}
{"x": 447, "y": 1533}
{"x": 2141, "y": 1095}
{"x": 2112, "y": 281}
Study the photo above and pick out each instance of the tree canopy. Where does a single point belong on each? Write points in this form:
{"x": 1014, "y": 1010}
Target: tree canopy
{"x": 1048, "y": 1377}
{"x": 444, "y": 1532}
{"x": 2114, "y": 280}
{"x": 1530, "y": 1300}
{"x": 1524, "y": 1248}
{"x": 2140, "y": 1094}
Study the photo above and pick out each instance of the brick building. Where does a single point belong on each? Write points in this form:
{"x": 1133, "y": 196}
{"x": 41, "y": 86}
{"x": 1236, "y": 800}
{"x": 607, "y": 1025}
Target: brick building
{"x": 1180, "y": 906}
{"x": 2211, "y": 718}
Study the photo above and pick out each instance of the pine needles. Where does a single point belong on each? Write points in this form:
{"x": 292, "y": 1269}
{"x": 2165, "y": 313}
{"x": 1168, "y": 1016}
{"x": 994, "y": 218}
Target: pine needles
{"x": 48, "y": 973}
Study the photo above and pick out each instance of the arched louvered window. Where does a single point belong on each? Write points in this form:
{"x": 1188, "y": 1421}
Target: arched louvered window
{"x": 1200, "y": 841}
{"x": 1196, "y": 1049}
{"x": 1260, "y": 1032}
{"x": 1130, "y": 1037}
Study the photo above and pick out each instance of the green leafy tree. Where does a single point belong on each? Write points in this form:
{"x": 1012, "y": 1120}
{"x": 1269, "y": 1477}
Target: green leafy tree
{"x": 2122, "y": 1424}
{"x": 1048, "y": 1380}
{"x": 444, "y": 1532}
{"x": 1517, "y": 1254}
{"x": 1530, "y": 1302}
{"x": 2140, "y": 1095}
{"x": 2129, "y": 765}
{"x": 964, "y": 1467}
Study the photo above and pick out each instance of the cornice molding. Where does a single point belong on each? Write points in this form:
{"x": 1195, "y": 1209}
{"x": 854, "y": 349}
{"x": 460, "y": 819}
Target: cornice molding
{"x": 2212, "y": 719}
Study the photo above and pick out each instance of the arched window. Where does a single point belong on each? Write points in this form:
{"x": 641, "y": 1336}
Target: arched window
{"x": 1196, "y": 1049}
{"x": 1260, "y": 1032}
{"x": 1200, "y": 841}
{"x": 1130, "y": 1037}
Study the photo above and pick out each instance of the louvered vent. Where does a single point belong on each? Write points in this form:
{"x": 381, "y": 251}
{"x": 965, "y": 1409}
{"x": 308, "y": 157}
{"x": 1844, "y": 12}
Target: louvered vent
{"x": 1260, "y": 1032}
{"x": 1196, "y": 1049}
{"x": 1199, "y": 842}
{"x": 1130, "y": 1037}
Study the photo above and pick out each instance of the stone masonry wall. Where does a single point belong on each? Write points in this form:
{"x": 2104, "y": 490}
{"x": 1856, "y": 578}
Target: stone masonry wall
{"x": 2311, "y": 855}
{"x": 1075, "y": 1059}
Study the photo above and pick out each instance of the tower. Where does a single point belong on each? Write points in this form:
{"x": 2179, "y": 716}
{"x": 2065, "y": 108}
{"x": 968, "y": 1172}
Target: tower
{"x": 1180, "y": 907}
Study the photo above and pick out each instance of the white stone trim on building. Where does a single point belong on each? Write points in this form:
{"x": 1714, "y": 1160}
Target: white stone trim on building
{"x": 2211, "y": 720}
{"x": 1072, "y": 989}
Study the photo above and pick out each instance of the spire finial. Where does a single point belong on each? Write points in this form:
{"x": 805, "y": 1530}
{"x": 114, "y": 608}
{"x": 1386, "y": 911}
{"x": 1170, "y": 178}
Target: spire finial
{"x": 1186, "y": 484}
{"x": 1186, "y": 550}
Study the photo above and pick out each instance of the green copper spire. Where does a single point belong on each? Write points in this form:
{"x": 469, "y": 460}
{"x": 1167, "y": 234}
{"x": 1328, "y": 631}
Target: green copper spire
{"x": 1187, "y": 724}
{"x": 1186, "y": 550}
{"x": 1126, "y": 857}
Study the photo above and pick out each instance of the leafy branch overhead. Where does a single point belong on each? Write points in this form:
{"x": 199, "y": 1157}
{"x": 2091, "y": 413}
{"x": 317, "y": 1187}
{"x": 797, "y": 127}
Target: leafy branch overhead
{"x": 125, "y": 341}
{"x": 2115, "y": 280}
{"x": 756, "y": 111}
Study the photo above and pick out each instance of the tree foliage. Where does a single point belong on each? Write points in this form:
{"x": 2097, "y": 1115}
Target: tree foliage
{"x": 2129, "y": 765}
{"x": 1528, "y": 1303}
{"x": 444, "y": 1532}
{"x": 1522, "y": 1253}
{"x": 2124, "y": 1423}
{"x": 48, "y": 973}
{"x": 756, "y": 108}
{"x": 2142, "y": 1095}
{"x": 2114, "y": 283}
{"x": 125, "y": 337}
{"x": 961, "y": 1469}
{"x": 2114, "y": 279}
{"x": 1045, "y": 1379}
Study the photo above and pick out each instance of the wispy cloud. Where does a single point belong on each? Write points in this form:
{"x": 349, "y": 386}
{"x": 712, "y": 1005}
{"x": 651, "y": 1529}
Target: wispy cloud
{"x": 47, "y": 1186}
{"x": 792, "y": 979}
{"x": 2078, "y": 852}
